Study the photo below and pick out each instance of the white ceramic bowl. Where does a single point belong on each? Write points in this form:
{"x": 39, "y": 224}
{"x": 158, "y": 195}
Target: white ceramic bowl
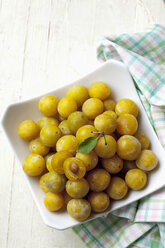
{"x": 120, "y": 82}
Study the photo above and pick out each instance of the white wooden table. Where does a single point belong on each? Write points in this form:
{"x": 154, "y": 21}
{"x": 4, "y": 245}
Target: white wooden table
{"x": 44, "y": 43}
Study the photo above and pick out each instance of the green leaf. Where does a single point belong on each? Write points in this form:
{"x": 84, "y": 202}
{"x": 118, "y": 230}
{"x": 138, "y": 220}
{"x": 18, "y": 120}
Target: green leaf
{"x": 87, "y": 145}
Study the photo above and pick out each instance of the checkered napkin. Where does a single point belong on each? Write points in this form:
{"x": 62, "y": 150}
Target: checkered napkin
{"x": 140, "y": 224}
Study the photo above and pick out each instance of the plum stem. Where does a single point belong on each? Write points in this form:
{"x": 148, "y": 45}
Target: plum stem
{"x": 101, "y": 134}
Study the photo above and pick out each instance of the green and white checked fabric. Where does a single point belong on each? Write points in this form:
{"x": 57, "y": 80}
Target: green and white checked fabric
{"x": 110, "y": 232}
{"x": 140, "y": 224}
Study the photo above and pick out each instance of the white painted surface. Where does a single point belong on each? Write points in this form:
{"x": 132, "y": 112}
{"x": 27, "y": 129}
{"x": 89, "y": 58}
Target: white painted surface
{"x": 44, "y": 43}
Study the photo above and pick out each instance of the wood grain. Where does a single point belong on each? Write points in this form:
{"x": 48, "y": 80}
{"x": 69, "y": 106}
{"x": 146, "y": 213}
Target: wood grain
{"x": 44, "y": 44}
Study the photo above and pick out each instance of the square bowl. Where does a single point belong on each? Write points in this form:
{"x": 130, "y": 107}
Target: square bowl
{"x": 116, "y": 75}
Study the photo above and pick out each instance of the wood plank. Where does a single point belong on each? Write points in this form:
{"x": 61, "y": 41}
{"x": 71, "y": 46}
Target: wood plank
{"x": 157, "y": 10}
{"x": 12, "y": 30}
